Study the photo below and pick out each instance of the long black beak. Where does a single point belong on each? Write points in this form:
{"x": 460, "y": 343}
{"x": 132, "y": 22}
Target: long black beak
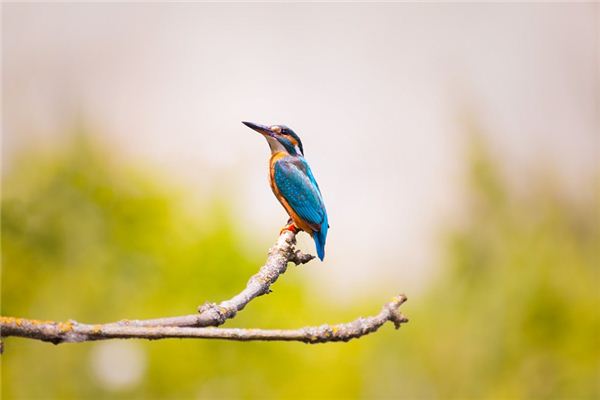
{"x": 262, "y": 129}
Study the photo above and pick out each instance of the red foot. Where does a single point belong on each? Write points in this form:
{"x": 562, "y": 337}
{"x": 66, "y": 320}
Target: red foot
{"x": 289, "y": 227}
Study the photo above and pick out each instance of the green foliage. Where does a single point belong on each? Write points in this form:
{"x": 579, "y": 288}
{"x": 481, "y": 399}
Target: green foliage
{"x": 512, "y": 314}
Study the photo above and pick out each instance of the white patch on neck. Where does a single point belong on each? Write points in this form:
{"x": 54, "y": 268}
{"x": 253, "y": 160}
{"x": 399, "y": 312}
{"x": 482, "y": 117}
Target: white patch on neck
{"x": 275, "y": 145}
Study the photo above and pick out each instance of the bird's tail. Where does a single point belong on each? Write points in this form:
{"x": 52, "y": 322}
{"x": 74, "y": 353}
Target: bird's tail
{"x": 320, "y": 237}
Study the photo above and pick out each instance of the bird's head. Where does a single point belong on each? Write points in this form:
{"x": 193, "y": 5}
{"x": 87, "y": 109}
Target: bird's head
{"x": 280, "y": 138}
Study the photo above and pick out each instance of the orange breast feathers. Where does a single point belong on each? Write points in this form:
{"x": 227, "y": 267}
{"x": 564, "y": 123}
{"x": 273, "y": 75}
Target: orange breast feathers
{"x": 301, "y": 224}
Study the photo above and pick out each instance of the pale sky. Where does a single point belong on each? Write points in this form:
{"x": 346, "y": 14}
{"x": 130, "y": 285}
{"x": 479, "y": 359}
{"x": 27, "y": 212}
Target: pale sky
{"x": 377, "y": 93}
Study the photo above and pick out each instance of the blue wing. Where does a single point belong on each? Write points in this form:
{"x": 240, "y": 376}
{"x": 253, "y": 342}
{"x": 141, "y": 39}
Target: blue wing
{"x": 299, "y": 188}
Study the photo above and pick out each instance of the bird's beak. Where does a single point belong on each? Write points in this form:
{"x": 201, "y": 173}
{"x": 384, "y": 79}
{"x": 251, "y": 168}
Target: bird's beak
{"x": 262, "y": 129}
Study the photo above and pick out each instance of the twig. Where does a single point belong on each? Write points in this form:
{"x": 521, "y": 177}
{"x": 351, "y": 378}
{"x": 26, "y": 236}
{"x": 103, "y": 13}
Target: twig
{"x": 72, "y": 331}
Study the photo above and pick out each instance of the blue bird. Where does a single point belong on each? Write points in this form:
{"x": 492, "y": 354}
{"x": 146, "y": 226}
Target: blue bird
{"x": 294, "y": 185}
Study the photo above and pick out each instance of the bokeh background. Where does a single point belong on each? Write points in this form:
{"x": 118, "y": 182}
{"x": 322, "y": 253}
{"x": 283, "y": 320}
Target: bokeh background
{"x": 457, "y": 147}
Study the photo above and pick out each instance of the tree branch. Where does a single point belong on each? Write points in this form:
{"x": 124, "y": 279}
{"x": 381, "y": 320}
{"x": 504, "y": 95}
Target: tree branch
{"x": 74, "y": 332}
{"x": 203, "y": 325}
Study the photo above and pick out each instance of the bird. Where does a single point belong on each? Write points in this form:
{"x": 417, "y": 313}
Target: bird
{"x": 294, "y": 185}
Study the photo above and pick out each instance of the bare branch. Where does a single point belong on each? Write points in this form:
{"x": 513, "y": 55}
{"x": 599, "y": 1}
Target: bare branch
{"x": 211, "y": 314}
{"x": 203, "y": 325}
{"x": 72, "y": 331}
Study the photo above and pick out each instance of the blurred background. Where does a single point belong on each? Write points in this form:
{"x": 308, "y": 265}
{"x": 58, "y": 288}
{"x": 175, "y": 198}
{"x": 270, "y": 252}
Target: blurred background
{"x": 456, "y": 145}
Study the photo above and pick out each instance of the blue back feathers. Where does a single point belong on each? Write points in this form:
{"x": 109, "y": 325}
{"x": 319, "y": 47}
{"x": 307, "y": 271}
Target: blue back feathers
{"x": 297, "y": 185}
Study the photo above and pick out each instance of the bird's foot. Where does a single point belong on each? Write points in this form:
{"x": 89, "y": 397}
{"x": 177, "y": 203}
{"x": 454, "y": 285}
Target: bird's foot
{"x": 290, "y": 227}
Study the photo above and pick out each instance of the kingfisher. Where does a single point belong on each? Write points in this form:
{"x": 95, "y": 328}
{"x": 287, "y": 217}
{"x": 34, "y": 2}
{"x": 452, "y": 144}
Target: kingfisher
{"x": 294, "y": 185}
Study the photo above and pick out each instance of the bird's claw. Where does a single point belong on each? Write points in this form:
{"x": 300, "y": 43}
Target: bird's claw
{"x": 289, "y": 227}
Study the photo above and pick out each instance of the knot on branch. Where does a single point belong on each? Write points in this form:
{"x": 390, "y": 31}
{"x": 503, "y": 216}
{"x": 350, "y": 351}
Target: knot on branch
{"x": 298, "y": 258}
{"x": 215, "y": 314}
{"x": 393, "y": 309}
{"x": 285, "y": 250}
